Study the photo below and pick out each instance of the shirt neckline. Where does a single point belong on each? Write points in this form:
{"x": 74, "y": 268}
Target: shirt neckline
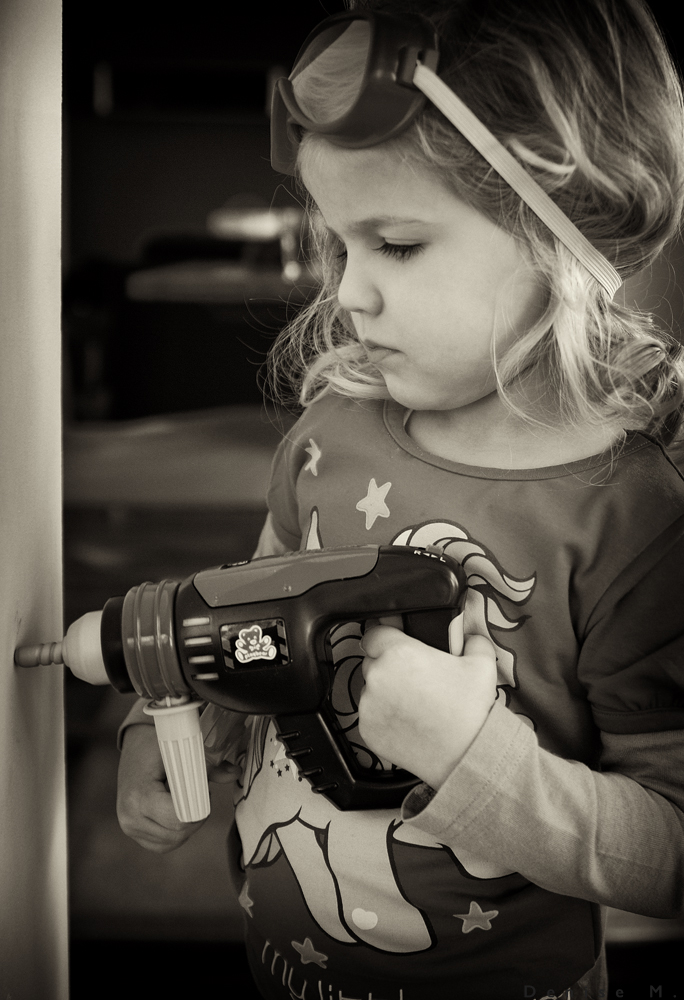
{"x": 395, "y": 418}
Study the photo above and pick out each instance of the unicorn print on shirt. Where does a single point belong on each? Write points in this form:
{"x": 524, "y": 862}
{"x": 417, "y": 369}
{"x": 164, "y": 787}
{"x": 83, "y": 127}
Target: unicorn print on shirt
{"x": 342, "y": 861}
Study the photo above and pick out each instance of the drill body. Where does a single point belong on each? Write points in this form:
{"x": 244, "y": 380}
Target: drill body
{"x": 254, "y": 638}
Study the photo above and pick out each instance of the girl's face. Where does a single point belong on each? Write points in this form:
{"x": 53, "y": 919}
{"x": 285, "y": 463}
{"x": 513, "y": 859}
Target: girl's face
{"x": 427, "y": 278}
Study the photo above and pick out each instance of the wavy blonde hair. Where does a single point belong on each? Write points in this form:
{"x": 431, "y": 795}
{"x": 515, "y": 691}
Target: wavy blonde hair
{"x": 585, "y": 95}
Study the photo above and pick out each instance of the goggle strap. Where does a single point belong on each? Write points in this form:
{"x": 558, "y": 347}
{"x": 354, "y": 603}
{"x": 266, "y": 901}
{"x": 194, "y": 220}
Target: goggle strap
{"x": 479, "y": 136}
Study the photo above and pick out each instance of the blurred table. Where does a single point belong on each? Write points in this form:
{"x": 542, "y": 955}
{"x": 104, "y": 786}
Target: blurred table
{"x": 219, "y": 457}
{"x": 214, "y": 281}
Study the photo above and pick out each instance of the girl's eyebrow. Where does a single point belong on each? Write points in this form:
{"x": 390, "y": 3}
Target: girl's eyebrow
{"x": 362, "y": 226}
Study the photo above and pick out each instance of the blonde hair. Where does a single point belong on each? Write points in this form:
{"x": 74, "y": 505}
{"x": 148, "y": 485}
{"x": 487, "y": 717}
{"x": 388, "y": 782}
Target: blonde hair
{"x": 586, "y": 96}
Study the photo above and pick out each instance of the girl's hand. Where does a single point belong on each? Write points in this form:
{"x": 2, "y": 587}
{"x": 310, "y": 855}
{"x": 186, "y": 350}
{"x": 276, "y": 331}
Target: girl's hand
{"x": 144, "y": 805}
{"x": 421, "y": 708}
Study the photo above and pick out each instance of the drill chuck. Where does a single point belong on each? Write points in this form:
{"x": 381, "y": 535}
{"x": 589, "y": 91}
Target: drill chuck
{"x": 130, "y": 645}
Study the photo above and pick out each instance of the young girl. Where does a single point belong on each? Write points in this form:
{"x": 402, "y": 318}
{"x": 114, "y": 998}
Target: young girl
{"x": 472, "y": 379}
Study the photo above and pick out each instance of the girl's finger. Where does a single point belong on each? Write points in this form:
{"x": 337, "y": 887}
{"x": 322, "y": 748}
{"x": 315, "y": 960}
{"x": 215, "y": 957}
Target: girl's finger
{"x": 378, "y": 639}
{"x": 479, "y": 645}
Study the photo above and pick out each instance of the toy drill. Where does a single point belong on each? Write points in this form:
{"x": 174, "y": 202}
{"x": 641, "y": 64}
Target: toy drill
{"x": 254, "y": 638}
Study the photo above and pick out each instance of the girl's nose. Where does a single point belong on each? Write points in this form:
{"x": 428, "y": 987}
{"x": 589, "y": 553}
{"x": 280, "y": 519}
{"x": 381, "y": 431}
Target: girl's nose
{"x": 358, "y": 291}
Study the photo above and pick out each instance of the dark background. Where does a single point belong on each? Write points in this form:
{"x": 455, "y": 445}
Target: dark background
{"x": 165, "y": 121}
{"x": 187, "y": 127}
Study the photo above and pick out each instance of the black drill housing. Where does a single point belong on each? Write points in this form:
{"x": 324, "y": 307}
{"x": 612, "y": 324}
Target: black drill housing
{"x": 253, "y": 638}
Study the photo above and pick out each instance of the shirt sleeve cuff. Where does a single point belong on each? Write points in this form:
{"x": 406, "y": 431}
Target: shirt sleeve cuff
{"x": 488, "y": 765}
{"x": 135, "y": 717}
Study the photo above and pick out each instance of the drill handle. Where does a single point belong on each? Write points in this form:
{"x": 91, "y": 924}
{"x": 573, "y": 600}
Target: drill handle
{"x": 324, "y": 756}
{"x": 181, "y": 744}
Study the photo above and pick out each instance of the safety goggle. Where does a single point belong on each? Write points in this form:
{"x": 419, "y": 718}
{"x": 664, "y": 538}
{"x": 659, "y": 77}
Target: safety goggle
{"x": 374, "y": 72}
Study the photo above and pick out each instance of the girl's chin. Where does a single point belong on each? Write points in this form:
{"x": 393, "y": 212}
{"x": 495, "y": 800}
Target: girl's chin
{"x": 412, "y": 399}
{"x": 428, "y": 398}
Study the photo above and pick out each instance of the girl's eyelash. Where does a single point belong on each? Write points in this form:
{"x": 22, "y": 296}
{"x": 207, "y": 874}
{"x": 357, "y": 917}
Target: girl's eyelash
{"x": 402, "y": 251}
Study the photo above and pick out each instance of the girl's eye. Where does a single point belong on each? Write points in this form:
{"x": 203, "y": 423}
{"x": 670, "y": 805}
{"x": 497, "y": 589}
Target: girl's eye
{"x": 400, "y": 251}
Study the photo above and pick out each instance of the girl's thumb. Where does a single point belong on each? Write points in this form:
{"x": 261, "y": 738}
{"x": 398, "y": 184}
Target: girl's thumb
{"x": 479, "y": 645}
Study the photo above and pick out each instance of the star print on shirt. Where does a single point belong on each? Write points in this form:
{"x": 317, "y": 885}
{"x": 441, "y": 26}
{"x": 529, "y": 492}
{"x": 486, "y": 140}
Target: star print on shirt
{"x": 315, "y": 452}
{"x": 373, "y": 504}
{"x": 476, "y": 918}
{"x": 280, "y": 770}
{"x": 280, "y": 761}
{"x": 309, "y": 954}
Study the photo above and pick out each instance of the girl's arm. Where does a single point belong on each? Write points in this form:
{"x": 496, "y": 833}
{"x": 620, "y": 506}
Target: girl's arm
{"x": 614, "y": 837}
{"x": 144, "y": 806}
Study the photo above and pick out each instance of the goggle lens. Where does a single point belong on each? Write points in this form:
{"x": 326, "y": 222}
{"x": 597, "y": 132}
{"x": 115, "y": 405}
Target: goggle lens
{"x": 328, "y": 79}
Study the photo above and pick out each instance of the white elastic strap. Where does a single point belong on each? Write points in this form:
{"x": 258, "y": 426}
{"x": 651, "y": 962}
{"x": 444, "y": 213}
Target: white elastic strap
{"x": 460, "y": 115}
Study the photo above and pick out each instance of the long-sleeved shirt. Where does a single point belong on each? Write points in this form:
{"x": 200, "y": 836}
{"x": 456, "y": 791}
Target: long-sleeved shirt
{"x": 570, "y": 796}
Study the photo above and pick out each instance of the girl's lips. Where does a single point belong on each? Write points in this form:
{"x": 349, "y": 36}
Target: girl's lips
{"x": 376, "y": 353}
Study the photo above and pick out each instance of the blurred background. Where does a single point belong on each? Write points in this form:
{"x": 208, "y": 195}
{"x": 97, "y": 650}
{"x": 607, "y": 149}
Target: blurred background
{"x": 175, "y": 284}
